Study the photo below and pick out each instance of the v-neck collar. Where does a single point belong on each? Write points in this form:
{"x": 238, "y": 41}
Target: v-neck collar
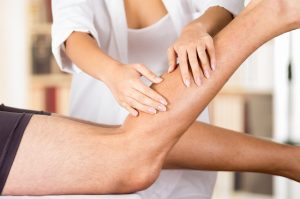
{"x": 179, "y": 11}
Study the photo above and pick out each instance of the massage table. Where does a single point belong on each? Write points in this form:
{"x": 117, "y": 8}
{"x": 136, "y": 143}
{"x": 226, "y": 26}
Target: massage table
{"x": 129, "y": 196}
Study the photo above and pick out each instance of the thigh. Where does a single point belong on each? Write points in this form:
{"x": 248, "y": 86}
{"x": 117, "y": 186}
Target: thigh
{"x": 61, "y": 156}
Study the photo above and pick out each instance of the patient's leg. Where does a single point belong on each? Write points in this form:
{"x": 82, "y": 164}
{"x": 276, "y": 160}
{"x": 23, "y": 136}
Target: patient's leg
{"x": 58, "y": 156}
{"x": 61, "y": 156}
{"x": 261, "y": 22}
{"x": 205, "y": 147}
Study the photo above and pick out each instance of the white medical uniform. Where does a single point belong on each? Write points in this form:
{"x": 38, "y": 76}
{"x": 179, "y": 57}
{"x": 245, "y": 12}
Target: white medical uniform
{"x": 91, "y": 100}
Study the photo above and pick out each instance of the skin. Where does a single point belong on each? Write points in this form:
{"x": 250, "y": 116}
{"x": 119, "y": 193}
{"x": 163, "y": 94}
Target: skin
{"x": 194, "y": 49}
{"x": 124, "y": 79}
{"x": 55, "y": 150}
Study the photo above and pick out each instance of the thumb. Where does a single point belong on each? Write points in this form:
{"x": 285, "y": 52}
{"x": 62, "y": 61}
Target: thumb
{"x": 143, "y": 70}
{"x": 171, "y": 59}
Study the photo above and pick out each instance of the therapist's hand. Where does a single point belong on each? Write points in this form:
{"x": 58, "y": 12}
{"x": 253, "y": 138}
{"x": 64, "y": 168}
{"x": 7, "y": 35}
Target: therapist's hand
{"x": 194, "y": 50}
{"x": 130, "y": 91}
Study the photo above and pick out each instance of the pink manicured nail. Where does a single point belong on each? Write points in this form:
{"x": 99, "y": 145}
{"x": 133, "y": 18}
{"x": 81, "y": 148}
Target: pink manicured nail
{"x": 213, "y": 67}
{"x": 187, "y": 83}
{"x": 162, "y": 108}
{"x": 152, "y": 110}
{"x": 135, "y": 114}
{"x": 170, "y": 69}
{"x": 198, "y": 81}
{"x": 158, "y": 79}
{"x": 163, "y": 101}
{"x": 207, "y": 75}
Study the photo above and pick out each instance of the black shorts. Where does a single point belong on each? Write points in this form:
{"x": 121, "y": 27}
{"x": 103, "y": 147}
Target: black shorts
{"x": 13, "y": 123}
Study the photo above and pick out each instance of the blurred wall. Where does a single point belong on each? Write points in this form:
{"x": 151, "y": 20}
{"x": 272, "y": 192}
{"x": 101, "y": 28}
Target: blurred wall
{"x": 13, "y": 53}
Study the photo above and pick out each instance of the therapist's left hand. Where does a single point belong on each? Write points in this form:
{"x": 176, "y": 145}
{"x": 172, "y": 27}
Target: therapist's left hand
{"x": 195, "y": 52}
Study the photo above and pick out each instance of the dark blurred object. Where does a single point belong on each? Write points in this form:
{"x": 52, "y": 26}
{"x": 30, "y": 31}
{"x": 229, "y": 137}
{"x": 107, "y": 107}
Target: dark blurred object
{"x": 258, "y": 122}
{"x": 49, "y": 11}
{"x": 290, "y": 142}
{"x": 40, "y": 11}
{"x": 41, "y": 54}
{"x": 51, "y": 96}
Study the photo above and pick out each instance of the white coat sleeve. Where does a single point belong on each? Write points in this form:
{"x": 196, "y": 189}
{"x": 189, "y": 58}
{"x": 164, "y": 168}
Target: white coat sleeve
{"x": 233, "y": 6}
{"x": 69, "y": 16}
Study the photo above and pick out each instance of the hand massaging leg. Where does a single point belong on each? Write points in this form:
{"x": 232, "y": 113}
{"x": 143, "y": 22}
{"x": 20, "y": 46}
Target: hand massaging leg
{"x": 61, "y": 156}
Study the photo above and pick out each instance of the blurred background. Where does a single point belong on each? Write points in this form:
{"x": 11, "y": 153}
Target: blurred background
{"x": 261, "y": 99}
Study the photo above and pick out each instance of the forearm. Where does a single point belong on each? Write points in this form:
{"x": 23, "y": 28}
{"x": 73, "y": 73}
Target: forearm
{"x": 123, "y": 80}
{"x": 213, "y": 20}
{"x": 84, "y": 51}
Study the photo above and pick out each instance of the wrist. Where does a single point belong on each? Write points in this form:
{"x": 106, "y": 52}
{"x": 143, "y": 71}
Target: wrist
{"x": 108, "y": 74}
{"x": 194, "y": 26}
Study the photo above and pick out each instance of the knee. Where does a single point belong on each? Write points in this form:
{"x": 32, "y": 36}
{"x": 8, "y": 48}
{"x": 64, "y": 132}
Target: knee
{"x": 143, "y": 164}
{"x": 141, "y": 179}
{"x": 136, "y": 177}
{"x": 143, "y": 172}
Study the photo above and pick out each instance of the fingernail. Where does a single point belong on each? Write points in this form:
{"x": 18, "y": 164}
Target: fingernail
{"x": 187, "y": 83}
{"x": 163, "y": 101}
{"x": 171, "y": 67}
{"x": 135, "y": 114}
{"x": 198, "y": 81}
{"x": 207, "y": 75}
{"x": 158, "y": 79}
{"x": 213, "y": 66}
{"x": 152, "y": 110}
{"x": 162, "y": 108}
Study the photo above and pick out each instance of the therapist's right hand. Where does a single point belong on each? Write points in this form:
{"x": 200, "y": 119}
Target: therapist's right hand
{"x": 131, "y": 93}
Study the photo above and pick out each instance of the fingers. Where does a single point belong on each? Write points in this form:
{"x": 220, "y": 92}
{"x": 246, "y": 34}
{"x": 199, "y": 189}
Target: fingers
{"x": 212, "y": 53}
{"x": 195, "y": 66}
{"x": 131, "y": 110}
{"x": 143, "y": 98}
{"x": 201, "y": 51}
{"x": 144, "y": 103}
{"x": 184, "y": 68}
{"x": 141, "y": 107}
{"x": 134, "y": 96}
{"x": 143, "y": 70}
{"x": 151, "y": 94}
{"x": 171, "y": 59}
{"x": 188, "y": 59}
{"x": 195, "y": 53}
